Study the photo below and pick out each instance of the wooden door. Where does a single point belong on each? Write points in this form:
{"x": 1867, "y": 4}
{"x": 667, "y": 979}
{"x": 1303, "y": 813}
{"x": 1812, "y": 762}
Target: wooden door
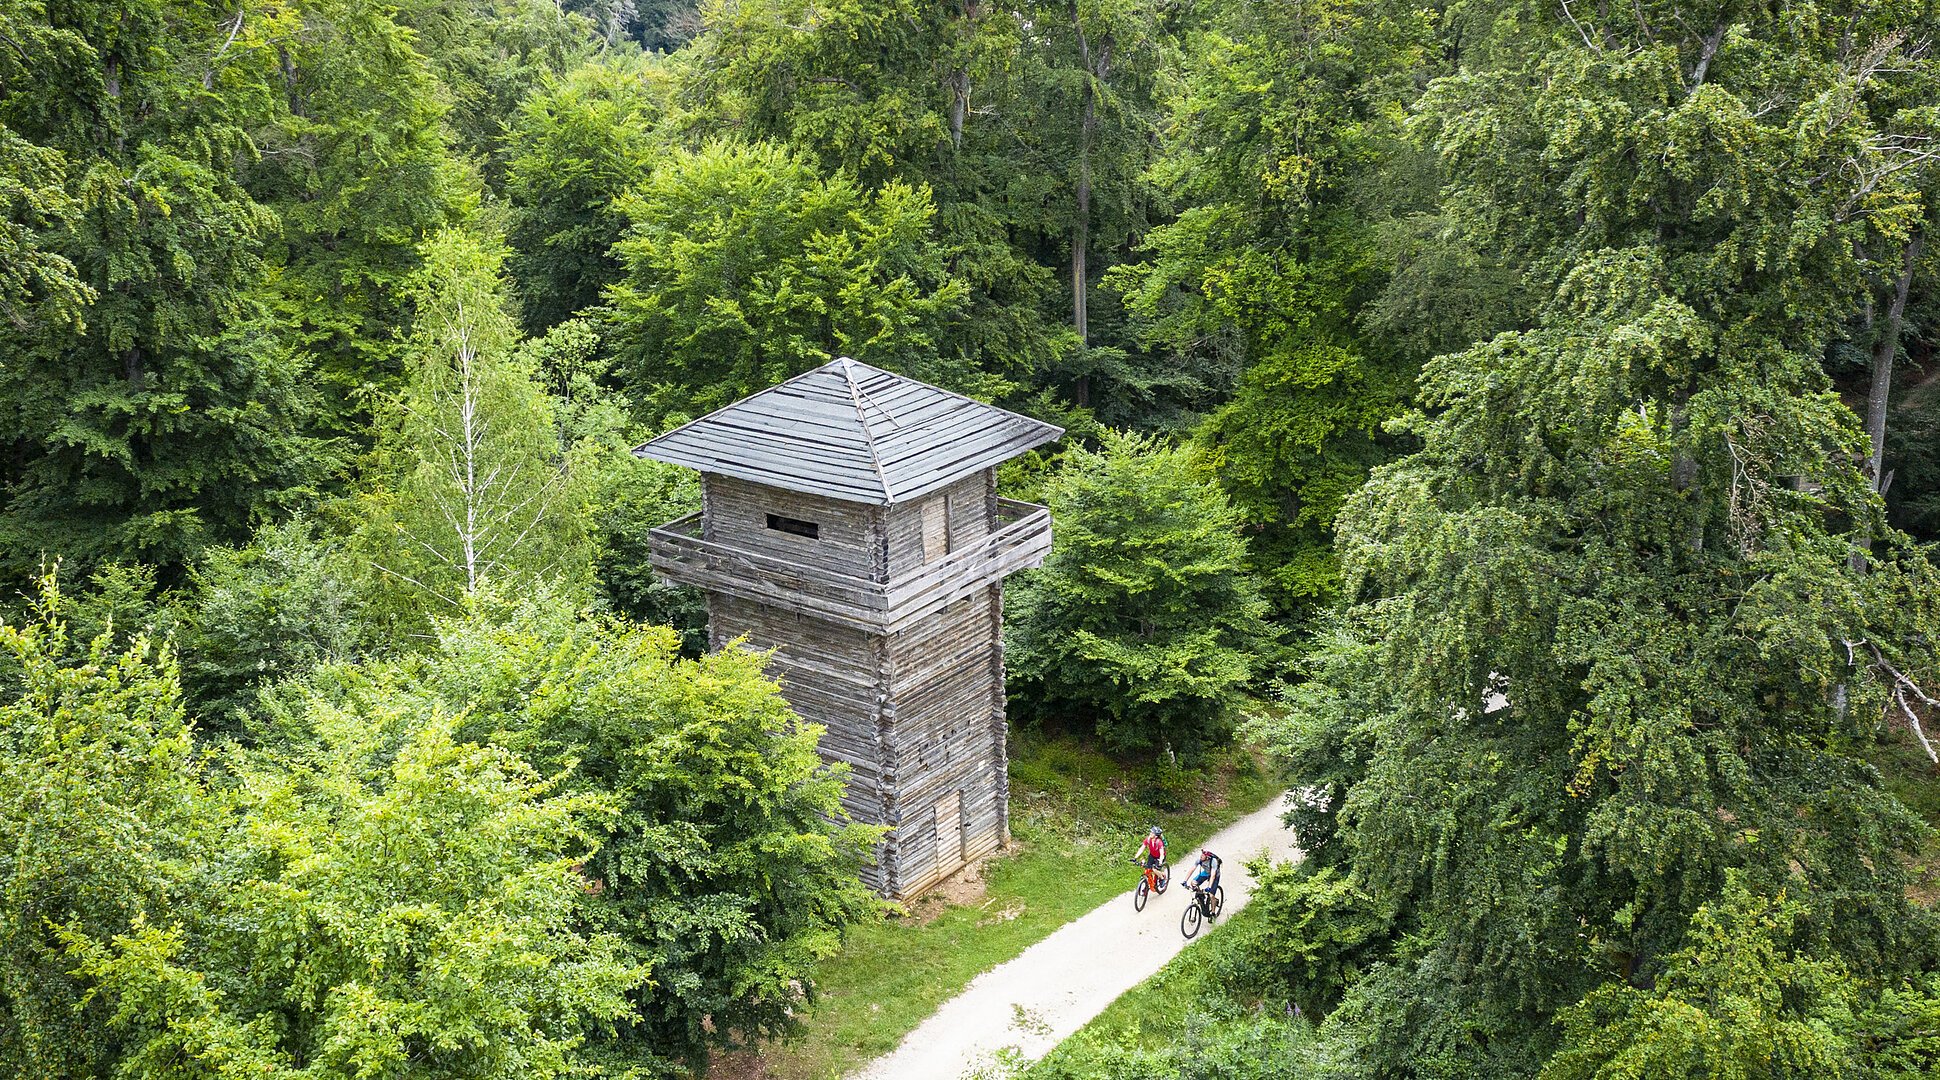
{"x": 949, "y": 832}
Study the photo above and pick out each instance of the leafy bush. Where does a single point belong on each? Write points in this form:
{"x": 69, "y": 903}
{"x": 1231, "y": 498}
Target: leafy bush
{"x": 1143, "y": 617}
{"x": 722, "y": 859}
{"x": 1247, "y": 1047}
{"x": 1314, "y": 934}
{"x": 103, "y": 816}
{"x": 269, "y": 611}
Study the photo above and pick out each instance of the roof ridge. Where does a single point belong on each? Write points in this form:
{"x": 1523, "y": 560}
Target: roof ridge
{"x": 868, "y": 437}
{"x": 796, "y": 435}
{"x": 1014, "y": 414}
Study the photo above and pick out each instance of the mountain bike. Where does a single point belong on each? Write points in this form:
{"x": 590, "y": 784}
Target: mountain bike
{"x": 1204, "y": 907}
{"x": 1154, "y": 880}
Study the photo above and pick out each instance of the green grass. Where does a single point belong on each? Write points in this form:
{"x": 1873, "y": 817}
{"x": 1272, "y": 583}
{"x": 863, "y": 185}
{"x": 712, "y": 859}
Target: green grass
{"x": 1154, "y": 1014}
{"x": 1076, "y": 818}
{"x": 1193, "y": 1018}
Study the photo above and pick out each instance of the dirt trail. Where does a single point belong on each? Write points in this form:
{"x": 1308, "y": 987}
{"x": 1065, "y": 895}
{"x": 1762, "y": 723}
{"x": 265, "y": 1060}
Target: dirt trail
{"x": 1055, "y": 987}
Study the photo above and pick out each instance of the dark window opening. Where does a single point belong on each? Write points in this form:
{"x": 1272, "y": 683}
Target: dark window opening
{"x": 795, "y": 525}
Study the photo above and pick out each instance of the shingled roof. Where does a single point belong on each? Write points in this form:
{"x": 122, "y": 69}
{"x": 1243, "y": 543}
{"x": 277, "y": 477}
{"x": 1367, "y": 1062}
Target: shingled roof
{"x": 850, "y": 431}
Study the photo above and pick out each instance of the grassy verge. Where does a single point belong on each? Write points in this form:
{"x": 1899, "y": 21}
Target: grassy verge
{"x": 1076, "y": 816}
{"x": 1156, "y": 1013}
{"x": 1191, "y": 1019}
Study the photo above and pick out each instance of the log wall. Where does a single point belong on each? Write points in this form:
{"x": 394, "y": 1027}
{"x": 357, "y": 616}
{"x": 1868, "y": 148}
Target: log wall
{"x": 967, "y": 510}
{"x": 737, "y": 511}
{"x": 911, "y": 699}
{"x": 948, "y": 761}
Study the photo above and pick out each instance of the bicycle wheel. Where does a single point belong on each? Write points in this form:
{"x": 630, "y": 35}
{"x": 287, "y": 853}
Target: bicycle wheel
{"x": 1138, "y": 895}
{"x": 1189, "y": 922}
{"x": 1218, "y": 901}
{"x": 1165, "y": 876}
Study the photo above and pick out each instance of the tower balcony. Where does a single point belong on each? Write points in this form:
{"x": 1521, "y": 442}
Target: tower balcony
{"x": 1020, "y": 539}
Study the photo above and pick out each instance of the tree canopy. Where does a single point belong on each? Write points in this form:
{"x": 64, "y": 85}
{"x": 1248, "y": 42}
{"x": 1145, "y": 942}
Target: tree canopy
{"x": 1514, "y": 416}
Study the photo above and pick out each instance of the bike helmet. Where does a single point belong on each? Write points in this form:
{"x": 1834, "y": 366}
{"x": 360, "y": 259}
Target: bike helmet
{"x": 1205, "y": 854}
{"x": 1154, "y": 831}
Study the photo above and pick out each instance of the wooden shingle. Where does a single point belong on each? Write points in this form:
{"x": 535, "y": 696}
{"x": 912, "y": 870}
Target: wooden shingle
{"x": 852, "y": 432}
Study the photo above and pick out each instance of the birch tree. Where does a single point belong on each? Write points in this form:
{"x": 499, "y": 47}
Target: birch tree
{"x": 480, "y": 476}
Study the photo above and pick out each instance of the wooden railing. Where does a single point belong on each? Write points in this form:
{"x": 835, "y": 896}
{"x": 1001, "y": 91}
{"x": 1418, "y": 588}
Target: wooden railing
{"x": 1021, "y": 539}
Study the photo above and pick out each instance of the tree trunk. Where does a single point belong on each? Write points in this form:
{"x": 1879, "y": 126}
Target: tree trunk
{"x": 1884, "y": 355}
{"x": 1081, "y": 225}
{"x": 1080, "y": 240}
{"x": 959, "y": 80}
{"x": 1879, "y": 394}
{"x": 959, "y": 105}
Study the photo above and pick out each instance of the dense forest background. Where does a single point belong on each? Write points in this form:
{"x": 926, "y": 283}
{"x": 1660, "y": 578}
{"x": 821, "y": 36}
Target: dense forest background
{"x": 1535, "y": 398}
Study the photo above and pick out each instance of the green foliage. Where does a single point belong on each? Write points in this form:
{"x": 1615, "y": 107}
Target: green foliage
{"x": 1593, "y": 660}
{"x": 37, "y": 285}
{"x": 1142, "y": 619}
{"x": 262, "y": 614}
{"x": 385, "y": 902}
{"x": 643, "y": 496}
{"x": 119, "y": 601}
{"x": 1913, "y": 452}
{"x": 488, "y": 56}
{"x": 1285, "y": 115}
{"x": 357, "y": 167}
{"x": 1738, "y": 1002}
{"x": 170, "y": 411}
{"x": 1031, "y": 125}
{"x": 1902, "y": 1030}
{"x": 744, "y": 268}
{"x": 725, "y": 864}
{"x": 1316, "y": 932}
{"x": 656, "y": 25}
{"x": 1297, "y": 439}
{"x": 1218, "y": 1044}
{"x": 853, "y": 84}
{"x": 577, "y": 143}
{"x": 103, "y": 820}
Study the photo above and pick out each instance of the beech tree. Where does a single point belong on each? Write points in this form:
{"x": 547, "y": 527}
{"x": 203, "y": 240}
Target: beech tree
{"x": 744, "y": 268}
{"x": 357, "y": 166}
{"x": 578, "y": 143}
{"x": 1287, "y": 115}
{"x": 170, "y": 410}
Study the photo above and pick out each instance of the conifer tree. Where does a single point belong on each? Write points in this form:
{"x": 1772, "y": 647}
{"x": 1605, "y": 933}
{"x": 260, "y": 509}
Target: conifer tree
{"x": 1603, "y": 651}
{"x": 1143, "y": 620}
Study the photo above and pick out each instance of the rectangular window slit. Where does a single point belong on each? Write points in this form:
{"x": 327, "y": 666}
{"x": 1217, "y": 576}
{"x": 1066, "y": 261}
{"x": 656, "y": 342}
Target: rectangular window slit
{"x": 795, "y": 525}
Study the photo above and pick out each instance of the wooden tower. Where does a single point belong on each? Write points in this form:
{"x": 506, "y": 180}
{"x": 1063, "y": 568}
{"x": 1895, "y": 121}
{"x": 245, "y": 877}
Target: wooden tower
{"x": 850, "y": 523}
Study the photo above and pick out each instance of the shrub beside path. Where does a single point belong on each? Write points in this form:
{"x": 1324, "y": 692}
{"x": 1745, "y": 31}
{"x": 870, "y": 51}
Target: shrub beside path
{"x": 1021, "y": 1009}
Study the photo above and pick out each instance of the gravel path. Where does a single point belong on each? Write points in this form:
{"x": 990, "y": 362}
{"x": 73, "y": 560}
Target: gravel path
{"x": 1056, "y": 986}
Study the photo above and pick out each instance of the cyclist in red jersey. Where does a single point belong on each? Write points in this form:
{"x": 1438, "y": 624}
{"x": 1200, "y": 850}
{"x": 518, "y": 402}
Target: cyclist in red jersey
{"x": 1151, "y": 852}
